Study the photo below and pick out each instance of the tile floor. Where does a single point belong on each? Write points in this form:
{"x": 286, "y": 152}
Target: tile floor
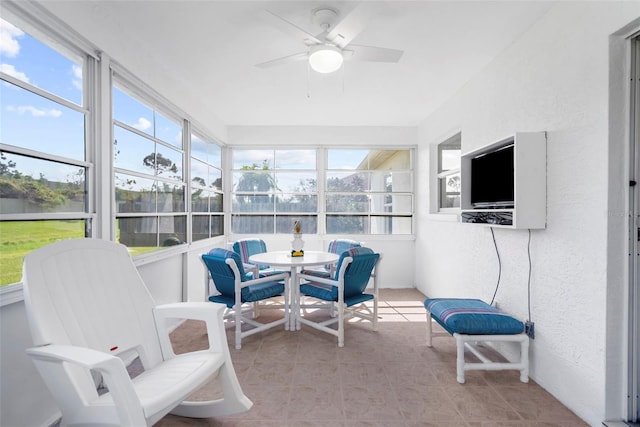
{"x": 379, "y": 379}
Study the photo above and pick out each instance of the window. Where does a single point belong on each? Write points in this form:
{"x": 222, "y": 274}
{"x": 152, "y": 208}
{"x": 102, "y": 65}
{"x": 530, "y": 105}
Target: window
{"x": 272, "y": 189}
{"x": 44, "y": 170}
{"x": 369, "y": 191}
{"x": 148, "y": 175}
{"x": 206, "y": 189}
{"x": 449, "y": 174}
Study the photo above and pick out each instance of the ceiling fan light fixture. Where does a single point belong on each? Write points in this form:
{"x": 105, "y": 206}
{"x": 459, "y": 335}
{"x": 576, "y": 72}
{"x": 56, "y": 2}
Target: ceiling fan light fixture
{"x": 325, "y": 59}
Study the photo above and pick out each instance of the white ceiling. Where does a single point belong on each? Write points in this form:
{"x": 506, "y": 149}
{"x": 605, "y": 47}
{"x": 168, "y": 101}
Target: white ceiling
{"x": 201, "y": 55}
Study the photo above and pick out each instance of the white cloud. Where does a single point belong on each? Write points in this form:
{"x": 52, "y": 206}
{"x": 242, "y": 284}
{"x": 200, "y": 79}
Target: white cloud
{"x": 142, "y": 124}
{"x": 77, "y": 74}
{"x": 11, "y": 70}
{"x": 35, "y": 112}
{"x": 8, "y": 44}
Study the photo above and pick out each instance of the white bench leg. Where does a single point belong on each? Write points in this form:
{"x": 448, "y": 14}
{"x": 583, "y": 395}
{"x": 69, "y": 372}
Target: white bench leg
{"x": 429, "y": 331}
{"x": 459, "y": 359}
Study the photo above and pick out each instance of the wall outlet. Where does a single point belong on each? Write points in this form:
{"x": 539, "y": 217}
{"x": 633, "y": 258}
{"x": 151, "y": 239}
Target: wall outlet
{"x": 529, "y": 329}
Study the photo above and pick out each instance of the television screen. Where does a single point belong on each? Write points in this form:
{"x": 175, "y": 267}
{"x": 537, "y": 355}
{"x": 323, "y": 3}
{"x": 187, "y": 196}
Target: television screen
{"x": 492, "y": 179}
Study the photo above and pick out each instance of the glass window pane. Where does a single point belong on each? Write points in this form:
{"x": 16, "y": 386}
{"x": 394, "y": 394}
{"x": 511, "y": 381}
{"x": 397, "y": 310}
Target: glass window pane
{"x": 29, "y": 185}
{"x": 132, "y": 112}
{"x": 347, "y": 159}
{"x": 199, "y": 173}
{"x": 253, "y": 159}
{"x": 391, "y": 181}
{"x": 296, "y": 203}
{"x": 133, "y": 152}
{"x": 173, "y": 230}
{"x": 253, "y": 203}
{"x": 450, "y": 159}
{"x": 34, "y": 62}
{"x": 295, "y": 159}
{"x": 199, "y": 200}
{"x": 391, "y": 225}
{"x": 252, "y": 224}
{"x": 215, "y": 202}
{"x": 449, "y": 187}
{"x": 347, "y": 224}
{"x": 396, "y": 203}
{"x": 284, "y": 223}
{"x": 168, "y": 162}
{"x": 215, "y": 178}
{"x": 170, "y": 197}
{"x": 168, "y": 131}
{"x": 200, "y": 227}
{"x": 134, "y": 194}
{"x": 18, "y": 238}
{"x": 198, "y": 148}
{"x": 348, "y": 203}
{"x": 347, "y": 181}
{"x": 298, "y": 182}
{"x": 254, "y": 182}
{"x": 390, "y": 160}
{"x": 31, "y": 121}
{"x": 140, "y": 233}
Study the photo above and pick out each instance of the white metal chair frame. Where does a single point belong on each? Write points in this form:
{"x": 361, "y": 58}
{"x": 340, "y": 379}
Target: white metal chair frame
{"x": 362, "y": 310}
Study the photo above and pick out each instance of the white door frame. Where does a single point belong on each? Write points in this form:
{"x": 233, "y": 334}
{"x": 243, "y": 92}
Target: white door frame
{"x": 634, "y": 237}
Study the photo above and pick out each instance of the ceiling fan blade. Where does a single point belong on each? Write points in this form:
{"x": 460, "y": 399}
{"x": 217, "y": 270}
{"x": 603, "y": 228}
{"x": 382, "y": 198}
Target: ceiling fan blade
{"x": 373, "y": 54}
{"x": 351, "y": 25}
{"x": 284, "y": 60}
{"x": 292, "y": 29}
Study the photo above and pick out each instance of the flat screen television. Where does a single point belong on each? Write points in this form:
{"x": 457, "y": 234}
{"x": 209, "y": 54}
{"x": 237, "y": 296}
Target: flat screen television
{"x": 492, "y": 179}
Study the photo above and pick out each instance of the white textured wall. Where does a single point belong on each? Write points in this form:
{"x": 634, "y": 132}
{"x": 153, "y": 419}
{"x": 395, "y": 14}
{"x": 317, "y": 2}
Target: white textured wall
{"x": 554, "y": 79}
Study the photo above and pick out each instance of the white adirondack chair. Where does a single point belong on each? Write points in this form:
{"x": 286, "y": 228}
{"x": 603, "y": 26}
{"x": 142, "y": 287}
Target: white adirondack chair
{"x": 87, "y": 305}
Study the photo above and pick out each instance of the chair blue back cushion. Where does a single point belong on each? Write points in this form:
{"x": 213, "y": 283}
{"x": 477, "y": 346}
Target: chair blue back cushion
{"x": 224, "y": 279}
{"x": 356, "y": 278}
{"x": 471, "y": 317}
{"x": 247, "y": 247}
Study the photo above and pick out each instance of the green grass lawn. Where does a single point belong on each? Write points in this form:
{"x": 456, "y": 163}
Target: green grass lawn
{"x": 18, "y": 238}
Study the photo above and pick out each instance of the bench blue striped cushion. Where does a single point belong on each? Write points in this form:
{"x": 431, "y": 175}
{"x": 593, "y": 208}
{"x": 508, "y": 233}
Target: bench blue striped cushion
{"x": 471, "y": 317}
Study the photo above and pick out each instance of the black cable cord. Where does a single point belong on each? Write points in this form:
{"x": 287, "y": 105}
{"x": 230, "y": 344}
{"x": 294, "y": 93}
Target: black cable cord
{"x": 529, "y": 277}
{"x": 495, "y": 245}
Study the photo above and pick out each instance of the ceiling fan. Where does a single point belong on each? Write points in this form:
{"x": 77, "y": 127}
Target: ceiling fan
{"x": 327, "y": 50}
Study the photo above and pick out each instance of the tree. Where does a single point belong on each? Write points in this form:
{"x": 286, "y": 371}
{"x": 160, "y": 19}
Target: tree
{"x": 159, "y": 163}
{"x": 255, "y": 180}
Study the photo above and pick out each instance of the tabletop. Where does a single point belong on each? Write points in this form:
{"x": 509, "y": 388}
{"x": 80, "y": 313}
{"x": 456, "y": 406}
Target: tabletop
{"x": 284, "y": 258}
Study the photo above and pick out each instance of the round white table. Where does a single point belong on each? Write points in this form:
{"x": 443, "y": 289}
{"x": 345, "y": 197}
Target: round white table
{"x": 284, "y": 259}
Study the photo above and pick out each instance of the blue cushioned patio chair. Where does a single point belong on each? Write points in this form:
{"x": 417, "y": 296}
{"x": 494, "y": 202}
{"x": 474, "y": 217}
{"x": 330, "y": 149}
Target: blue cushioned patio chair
{"x": 240, "y": 292}
{"x": 337, "y": 246}
{"x": 347, "y": 289}
{"x": 247, "y": 247}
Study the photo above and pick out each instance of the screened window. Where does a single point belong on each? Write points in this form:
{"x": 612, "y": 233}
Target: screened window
{"x": 44, "y": 195}
{"x": 449, "y": 173}
{"x": 148, "y": 175}
{"x": 206, "y": 188}
{"x": 272, "y": 189}
{"x": 369, "y": 191}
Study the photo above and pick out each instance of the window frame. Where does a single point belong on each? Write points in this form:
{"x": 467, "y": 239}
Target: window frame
{"x": 438, "y": 174}
{"x": 56, "y": 39}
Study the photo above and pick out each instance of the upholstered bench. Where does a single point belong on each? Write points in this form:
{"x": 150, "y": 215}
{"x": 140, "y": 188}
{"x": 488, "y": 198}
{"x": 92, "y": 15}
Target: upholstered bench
{"x": 471, "y": 321}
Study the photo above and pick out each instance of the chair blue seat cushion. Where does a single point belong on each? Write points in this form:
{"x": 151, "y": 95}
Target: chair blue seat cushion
{"x": 252, "y": 293}
{"x": 330, "y": 293}
{"x": 471, "y": 317}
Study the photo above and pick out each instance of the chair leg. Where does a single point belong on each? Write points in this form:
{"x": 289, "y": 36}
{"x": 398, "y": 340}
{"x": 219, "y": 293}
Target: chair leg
{"x": 340, "y": 325}
{"x": 238, "y": 321}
